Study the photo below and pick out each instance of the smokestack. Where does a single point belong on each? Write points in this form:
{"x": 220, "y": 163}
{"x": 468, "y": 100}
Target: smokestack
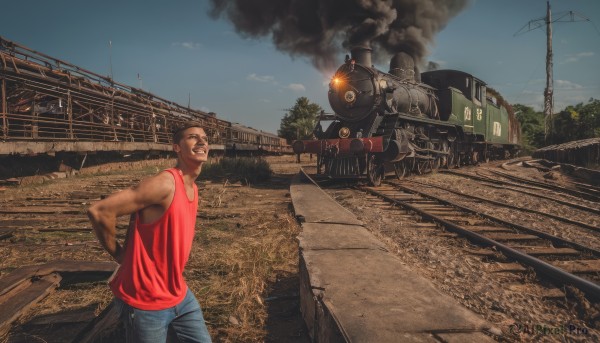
{"x": 417, "y": 74}
{"x": 362, "y": 55}
{"x": 402, "y": 65}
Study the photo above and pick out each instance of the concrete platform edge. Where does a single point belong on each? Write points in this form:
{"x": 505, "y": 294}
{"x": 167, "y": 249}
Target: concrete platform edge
{"x": 318, "y": 312}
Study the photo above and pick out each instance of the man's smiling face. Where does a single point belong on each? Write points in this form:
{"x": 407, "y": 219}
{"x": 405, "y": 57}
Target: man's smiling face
{"x": 193, "y": 145}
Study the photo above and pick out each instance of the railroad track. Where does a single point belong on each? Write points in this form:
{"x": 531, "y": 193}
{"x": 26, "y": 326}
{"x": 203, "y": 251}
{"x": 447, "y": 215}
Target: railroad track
{"x": 34, "y": 215}
{"x": 582, "y": 191}
{"x": 525, "y": 188}
{"x": 577, "y": 223}
{"x": 591, "y": 193}
{"x": 563, "y": 262}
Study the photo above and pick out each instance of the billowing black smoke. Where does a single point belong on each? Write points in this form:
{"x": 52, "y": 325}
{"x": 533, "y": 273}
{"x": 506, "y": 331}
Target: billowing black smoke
{"x": 322, "y": 29}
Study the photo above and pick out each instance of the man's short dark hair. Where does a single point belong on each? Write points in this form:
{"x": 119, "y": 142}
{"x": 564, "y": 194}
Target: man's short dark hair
{"x": 179, "y": 128}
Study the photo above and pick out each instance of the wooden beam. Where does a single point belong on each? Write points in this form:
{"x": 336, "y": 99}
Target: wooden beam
{"x": 14, "y": 307}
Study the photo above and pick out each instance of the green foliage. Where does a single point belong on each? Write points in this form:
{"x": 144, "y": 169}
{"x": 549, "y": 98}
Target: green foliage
{"x": 300, "y": 120}
{"x": 500, "y": 99}
{"x": 247, "y": 169}
{"x": 576, "y": 122}
{"x": 532, "y": 127}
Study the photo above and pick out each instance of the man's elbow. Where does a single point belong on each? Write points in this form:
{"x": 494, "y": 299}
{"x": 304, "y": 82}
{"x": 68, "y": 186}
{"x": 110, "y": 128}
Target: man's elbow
{"x": 94, "y": 213}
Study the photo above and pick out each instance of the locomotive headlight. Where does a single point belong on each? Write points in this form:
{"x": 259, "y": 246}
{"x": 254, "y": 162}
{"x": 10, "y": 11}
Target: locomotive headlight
{"x": 344, "y": 132}
{"x": 335, "y": 82}
{"x": 350, "y": 96}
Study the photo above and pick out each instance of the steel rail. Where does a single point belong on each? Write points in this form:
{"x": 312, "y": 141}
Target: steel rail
{"x": 585, "y": 195}
{"x": 499, "y": 182}
{"x": 591, "y": 289}
{"x": 500, "y": 221}
{"x": 498, "y": 203}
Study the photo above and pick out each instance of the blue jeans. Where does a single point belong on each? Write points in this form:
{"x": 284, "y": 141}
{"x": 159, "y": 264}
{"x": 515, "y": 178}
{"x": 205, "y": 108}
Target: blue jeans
{"x": 185, "y": 319}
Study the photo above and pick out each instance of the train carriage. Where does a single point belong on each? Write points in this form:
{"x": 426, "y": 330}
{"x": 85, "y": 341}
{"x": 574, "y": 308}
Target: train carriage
{"x": 46, "y": 100}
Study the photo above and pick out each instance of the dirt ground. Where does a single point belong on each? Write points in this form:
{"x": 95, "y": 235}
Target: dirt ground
{"x": 243, "y": 267}
{"x": 519, "y": 304}
{"x": 244, "y": 264}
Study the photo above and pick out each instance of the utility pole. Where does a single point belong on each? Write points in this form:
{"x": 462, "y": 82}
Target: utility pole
{"x": 549, "y": 90}
{"x": 110, "y": 69}
{"x": 547, "y": 20}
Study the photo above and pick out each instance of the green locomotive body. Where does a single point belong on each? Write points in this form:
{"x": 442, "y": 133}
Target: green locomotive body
{"x": 408, "y": 121}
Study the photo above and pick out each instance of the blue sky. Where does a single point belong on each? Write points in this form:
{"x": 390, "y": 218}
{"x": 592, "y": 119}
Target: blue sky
{"x": 177, "y": 49}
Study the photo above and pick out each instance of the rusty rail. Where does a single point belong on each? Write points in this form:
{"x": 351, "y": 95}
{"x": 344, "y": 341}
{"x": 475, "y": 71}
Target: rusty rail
{"x": 591, "y": 289}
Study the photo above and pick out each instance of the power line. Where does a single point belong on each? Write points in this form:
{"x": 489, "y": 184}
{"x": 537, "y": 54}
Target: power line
{"x": 546, "y": 21}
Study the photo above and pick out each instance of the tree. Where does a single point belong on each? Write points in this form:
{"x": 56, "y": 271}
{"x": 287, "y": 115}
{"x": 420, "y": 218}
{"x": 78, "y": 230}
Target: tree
{"x": 300, "y": 120}
{"x": 532, "y": 127}
{"x": 577, "y": 122}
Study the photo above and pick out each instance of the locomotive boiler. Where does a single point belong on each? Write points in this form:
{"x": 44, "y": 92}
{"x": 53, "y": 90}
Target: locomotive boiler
{"x": 406, "y": 121}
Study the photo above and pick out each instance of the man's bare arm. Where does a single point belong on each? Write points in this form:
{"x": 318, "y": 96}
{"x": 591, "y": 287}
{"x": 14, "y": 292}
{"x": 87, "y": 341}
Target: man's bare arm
{"x": 156, "y": 190}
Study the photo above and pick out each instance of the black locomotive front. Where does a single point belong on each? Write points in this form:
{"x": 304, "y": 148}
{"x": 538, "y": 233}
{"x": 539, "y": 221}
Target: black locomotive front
{"x": 366, "y": 103}
{"x": 358, "y": 91}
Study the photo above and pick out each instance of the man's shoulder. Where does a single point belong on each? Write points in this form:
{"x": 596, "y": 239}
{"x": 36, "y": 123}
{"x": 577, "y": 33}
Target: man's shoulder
{"x": 163, "y": 181}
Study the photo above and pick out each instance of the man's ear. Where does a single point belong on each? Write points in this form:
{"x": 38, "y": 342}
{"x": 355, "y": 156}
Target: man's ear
{"x": 176, "y": 147}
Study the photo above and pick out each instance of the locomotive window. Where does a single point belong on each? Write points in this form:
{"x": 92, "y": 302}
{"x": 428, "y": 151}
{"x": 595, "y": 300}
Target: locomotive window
{"x": 478, "y": 90}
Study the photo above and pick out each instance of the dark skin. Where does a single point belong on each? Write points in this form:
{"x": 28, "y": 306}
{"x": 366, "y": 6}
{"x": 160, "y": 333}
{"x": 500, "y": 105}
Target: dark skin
{"x": 152, "y": 196}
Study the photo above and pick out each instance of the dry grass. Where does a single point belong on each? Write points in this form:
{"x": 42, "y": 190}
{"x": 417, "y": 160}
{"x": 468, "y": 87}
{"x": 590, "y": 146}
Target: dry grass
{"x": 234, "y": 262}
{"x": 232, "y": 266}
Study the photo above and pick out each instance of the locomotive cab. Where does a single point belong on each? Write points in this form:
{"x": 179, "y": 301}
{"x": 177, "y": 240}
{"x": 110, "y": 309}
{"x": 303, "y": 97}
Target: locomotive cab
{"x": 470, "y": 87}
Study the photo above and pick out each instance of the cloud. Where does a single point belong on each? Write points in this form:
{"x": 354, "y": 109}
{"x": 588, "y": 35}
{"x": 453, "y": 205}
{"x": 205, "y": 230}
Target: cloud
{"x": 266, "y": 101}
{"x": 188, "y": 45}
{"x": 574, "y": 58}
{"x": 296, "y": 87}
{"x": 564, "y": 84}
{"x": 260, "y": 78}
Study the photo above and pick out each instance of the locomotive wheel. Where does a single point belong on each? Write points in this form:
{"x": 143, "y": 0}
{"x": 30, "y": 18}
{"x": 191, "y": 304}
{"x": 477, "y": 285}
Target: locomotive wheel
{"x": 486, "y": 157}
{"x": 401, "y": 170}
{"x": 410, "y": 165}
{"x": 474, "y": 157}
{"x": 319, "y": 163}
{"x": 375, "y": 170}
{"x": 435, "y": 164}
{"x": 451, "y": 158}
{"x": 421, "y": 166}
{"x": 418, "y": 167}
{"x": 443, "y": 159}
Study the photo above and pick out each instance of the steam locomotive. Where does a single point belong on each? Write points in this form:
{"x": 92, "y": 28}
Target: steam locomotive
{"x": 407, "y": 122}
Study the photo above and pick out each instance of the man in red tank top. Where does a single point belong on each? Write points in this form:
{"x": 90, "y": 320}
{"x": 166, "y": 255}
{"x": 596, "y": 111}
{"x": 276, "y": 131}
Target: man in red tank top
{"x": 150, "y": 292}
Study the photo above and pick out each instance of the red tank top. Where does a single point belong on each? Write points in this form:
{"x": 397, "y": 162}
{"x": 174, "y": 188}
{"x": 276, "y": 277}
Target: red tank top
{"x": 151, "y": 275}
